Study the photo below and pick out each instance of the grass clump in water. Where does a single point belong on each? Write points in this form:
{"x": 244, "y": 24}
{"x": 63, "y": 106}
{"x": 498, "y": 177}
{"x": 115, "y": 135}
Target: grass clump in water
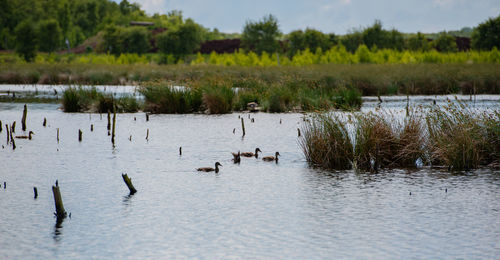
{"x": 326, "y": 143}
{"x": 461, "y": 138}
{"x": 217, "y": 96}
{"x": 163, "y": 98}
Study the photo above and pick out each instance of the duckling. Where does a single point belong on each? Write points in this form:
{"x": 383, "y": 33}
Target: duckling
{"x": 250, "y": 154}
{"x": 210, "y": 169}
{"x": 271, "y": 158}
{"x": 25, "y": 136}
{"x": 237, "y": 157}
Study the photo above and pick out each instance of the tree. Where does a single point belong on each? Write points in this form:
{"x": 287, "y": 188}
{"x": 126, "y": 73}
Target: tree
{"x": 135, "y": 40}
{"x": 49, "y": 35}
{"x": 181, "y": 41}
{"x": 375, "y": 36}
{"x": 445, "y": 43}
{"x": 112, "y": 41}
{"x": 418, "y": 42}
{"x": 487, "y": 35}
{"x": 26, "y": 42}
{"x": 352, "y": 41}
{"x": 261, "y": 36}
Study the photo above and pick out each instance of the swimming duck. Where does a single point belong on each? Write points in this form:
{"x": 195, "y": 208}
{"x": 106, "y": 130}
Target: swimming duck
{"x": 25, "y": 136}
{"x": 210, "y": 169}
{"x": 250, "y": 154}
{"x": 271, "y": 158}
{"x": 237, "y": 157}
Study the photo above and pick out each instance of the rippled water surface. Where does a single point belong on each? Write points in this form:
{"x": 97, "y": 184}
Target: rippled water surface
{"x": 252, "y": 210}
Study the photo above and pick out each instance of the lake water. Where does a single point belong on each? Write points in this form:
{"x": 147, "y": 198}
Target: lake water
{"x": 252, "y": 210}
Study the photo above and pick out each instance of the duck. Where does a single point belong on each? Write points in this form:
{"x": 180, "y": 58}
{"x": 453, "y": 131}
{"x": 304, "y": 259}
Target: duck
{"x": 250, "y": 154}
{"x": 271, "y": 158}
{"x": 25, "y": 136}
{"x": 237, "y": 157}
{"x": 210, "y": 169}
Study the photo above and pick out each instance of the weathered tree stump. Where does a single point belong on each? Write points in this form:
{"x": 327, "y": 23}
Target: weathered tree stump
{"x": 23, "y": 120}
{"x": 114, "y": 124}
{"x": 128, "y": 181}
{"x": 243, "y": 126}
{"x": 109, "y": 122}
{"x": 60, "y": 212}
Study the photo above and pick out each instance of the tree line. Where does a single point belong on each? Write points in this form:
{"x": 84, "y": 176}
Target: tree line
{"x": 28, "y": 26}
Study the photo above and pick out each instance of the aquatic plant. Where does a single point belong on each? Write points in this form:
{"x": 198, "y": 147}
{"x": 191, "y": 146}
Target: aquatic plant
{"x": 326, "y": 143}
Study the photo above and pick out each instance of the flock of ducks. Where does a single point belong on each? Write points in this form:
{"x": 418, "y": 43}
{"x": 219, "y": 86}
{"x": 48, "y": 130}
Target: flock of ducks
{"x": 237, "y": 159}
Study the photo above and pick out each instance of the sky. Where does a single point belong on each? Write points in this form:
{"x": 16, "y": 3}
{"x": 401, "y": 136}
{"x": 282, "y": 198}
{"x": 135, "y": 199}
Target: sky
{"x": 334, "y": 16}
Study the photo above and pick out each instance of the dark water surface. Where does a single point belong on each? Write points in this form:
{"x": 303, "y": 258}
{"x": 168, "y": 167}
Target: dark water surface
{"x": 252, "y": 210}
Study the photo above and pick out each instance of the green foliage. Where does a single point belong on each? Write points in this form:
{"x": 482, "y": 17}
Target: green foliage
{"x": 487, "y": 35}
{"x": 162, "y": 98}
{"x": 26, "y": 41}
{"x": 418, "y": 42}
{"x": 217, "y": 96}
{"x": 261, "y": 36}
{"x": 352, "y": 41}
{"x": 348, "y": 98}
{"x": 135, "y": 40}
{"x": 49, "y": 35}
{"x": 445, "y": 43}
{"x": 180, "y": 41}
{"x": 310, "y": 39}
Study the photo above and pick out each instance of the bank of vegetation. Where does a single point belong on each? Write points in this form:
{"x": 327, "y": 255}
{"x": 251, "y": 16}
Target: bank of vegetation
{"x": 454, "y": 136}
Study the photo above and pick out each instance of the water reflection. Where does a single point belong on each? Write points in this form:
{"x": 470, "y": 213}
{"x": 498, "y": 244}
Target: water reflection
{"x": 57, "y": 234}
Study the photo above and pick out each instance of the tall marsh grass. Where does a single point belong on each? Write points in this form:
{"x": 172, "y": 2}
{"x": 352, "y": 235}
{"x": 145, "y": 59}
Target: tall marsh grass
{"x": 80, "y": 99}
{"x": 454, "y": 136}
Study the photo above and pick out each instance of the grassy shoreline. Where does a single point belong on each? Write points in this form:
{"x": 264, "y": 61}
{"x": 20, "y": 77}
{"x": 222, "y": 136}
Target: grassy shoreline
{"x": 369, "y": 79}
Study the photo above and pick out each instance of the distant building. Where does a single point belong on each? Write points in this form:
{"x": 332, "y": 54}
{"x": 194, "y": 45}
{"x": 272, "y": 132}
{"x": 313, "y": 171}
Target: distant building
{"x": 138, "y": 23}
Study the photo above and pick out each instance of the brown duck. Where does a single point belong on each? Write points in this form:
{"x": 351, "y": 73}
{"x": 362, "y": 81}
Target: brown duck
{"x": 236, "y": 157}
{"x": 250, "y": 154}
{"x": 25, "y": 136}
{"x": 271, "y": 158}
{"x": 210, "y": 169}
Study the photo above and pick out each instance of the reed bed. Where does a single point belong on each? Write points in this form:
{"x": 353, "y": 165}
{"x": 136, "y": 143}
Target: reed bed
{"x": 79, "y": 99}
{"x": 369, "y": 79}
{"x": 454, "y": 136}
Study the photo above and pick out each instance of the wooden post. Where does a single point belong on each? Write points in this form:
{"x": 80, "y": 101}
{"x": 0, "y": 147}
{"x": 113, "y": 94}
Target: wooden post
{"x": 4, "y": 185}
{"x": 79, "y": 135}
{"x": 114, "y": 123}
{"x": 36, "y": 192}
{"x": 23, "y": 120}
{"x": 12, "y": 137}
{"x": 57, "y": 135}
{"x": 13, "y": 127}
{"x": 147, "y": 134}
{"x": 128, "y": 181}
{"x": 1, "y": 126}
{"x": 147, "y": 117}
{"x": 180, "y": 150}
{"x": 44, "y": 122}
{"x": 243, "y": 126}
{"x": 8, "y": 135}
{"x": 60, "y": 212}
{"x": 91, "y": 127}
{"x": 109, "y": 122}
{"x": 298, "y": 130}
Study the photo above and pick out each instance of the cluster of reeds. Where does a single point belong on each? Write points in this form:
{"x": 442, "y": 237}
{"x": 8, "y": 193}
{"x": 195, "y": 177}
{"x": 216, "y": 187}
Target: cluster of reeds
{"x": 161, "y": 98}
{"x": 79, "y": 99}
{"x": 453, "y": 136}
{"x": 326, "y": 143}
{"x": 461, "y": 138}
